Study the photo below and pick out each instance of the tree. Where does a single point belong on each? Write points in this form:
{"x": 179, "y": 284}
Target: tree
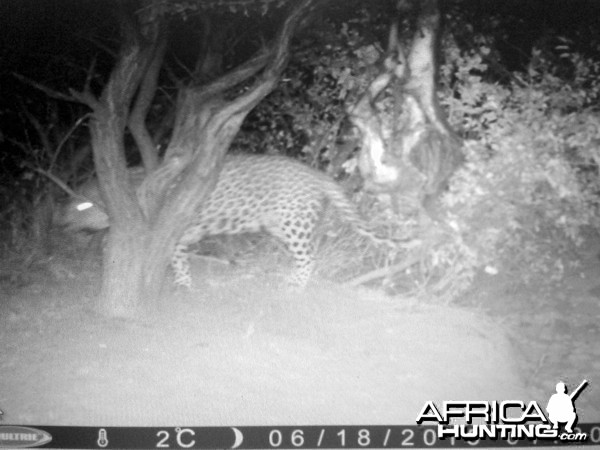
{"x": 146, "y": 227}
{"x": 413, "y": 150}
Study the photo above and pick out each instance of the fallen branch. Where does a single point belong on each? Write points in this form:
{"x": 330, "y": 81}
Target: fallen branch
{"x": 384, "y": 271}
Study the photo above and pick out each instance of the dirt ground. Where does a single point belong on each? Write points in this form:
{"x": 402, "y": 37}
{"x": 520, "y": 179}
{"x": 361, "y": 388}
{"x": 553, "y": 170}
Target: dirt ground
{"x": 239, "y": 350}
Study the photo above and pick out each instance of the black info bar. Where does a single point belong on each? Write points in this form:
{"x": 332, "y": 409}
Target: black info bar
{"x": 270, "y": 437}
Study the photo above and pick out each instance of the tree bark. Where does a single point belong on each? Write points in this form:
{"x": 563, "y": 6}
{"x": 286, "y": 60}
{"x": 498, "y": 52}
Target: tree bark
{"x": 413, "y": 154}
{"x": 143, "y": 102}
{"x": 123, "y": 256}
{"x": 145, "y": 225}
{"x": 434, "y": 148}
{"x": 205, "y": 125}
{"x": 123, "y": 271}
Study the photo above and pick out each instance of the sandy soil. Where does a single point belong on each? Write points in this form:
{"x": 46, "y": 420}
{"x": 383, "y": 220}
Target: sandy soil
{"x": 239, "y": 351}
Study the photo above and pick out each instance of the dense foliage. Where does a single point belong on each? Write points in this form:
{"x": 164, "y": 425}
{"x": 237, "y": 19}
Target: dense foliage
{"x": 528, "y": 192}
{"x": 526, "y": 108}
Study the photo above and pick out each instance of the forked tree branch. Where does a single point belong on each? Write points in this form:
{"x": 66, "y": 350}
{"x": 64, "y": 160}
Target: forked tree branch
{"x": 278, "y": 55}
{"x": 204, "y": 108}
{"x": 235, "y": 76}
{"x": 145, "y": 95}
{"x": 206, "y": 123}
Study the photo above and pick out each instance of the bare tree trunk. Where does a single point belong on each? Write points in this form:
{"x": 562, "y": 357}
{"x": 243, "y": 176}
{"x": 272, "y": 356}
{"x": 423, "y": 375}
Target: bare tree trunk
{"x": 120, "y": 293}
{"x": 143, "y": 102}
{"x": 146, "y": 223}
{"x": 434, "y": 148}
{"x": 123, "y": 271}
{"x": 415, "y": 154}
{"x": 124, "y": 254}
{"x": 205, "y": 125}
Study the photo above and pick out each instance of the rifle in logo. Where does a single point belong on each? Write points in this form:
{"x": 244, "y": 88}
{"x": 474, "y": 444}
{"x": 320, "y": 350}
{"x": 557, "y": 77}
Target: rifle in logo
{"x": 561, "y": 408}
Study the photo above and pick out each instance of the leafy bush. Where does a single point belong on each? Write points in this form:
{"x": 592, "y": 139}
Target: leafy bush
{"x": 530, "y": 185}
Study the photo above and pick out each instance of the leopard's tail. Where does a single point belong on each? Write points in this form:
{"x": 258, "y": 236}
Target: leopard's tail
{"x": 348, "y": 213}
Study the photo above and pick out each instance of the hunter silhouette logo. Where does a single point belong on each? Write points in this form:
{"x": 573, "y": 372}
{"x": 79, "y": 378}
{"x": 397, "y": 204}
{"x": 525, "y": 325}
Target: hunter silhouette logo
{"x": 508, "y": 419}
{"x": 561, "y": 408}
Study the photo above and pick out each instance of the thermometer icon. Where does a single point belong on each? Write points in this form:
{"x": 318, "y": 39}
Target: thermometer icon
{"x": 102, "y": 441}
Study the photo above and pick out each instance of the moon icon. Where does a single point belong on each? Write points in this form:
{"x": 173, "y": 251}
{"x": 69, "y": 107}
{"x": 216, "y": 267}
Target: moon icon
{"x": 239, "y": 437}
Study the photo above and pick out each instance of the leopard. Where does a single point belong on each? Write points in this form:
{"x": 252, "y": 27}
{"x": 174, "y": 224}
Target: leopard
{"x": 253, "y": 193}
